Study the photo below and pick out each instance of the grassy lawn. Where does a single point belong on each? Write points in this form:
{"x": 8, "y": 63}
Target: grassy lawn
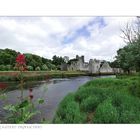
{"x": 108, "y": 100}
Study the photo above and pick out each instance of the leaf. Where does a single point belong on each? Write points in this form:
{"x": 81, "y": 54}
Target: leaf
{"x": 9, "y": 107}
{"x": 3, "y": 96}
{"x": 40, "y": 101}
{"x": 25, "y": 103}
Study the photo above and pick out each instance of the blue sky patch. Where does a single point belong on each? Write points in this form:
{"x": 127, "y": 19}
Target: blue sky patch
{"x": 83, "y": 31}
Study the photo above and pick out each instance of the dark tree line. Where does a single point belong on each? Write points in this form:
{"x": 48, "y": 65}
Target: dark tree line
{"x": 33, "y": 62}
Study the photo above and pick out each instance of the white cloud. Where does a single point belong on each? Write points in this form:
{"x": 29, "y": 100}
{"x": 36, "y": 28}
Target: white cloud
{"x": 44, "y": 36}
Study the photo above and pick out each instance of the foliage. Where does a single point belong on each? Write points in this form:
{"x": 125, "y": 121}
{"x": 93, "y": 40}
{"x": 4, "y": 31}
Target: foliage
{"x": 72, "y": 60}
{"x": 20, "y": 113}
{"x": 30, "y": 68}
{"x": 106, "y": 113}
{"x": 2, "y": 67}
{"x": 8, "y": 57}
{"x": 37, "y": 68}
{"x": 89, "y": 104}
{"x": 109, "y": 100}
{"x": 24, "y": 110}
{"x": 128, "y": 57}
{"x": 69, "y": 112}
{"x": 56, "y": 60}
{"x": 44, "y": 67}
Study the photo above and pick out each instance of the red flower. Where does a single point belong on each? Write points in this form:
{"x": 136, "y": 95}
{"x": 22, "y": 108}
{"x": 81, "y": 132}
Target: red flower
{"x": 20, "y": 59}
{"x": 20, "y": 62}
{"x": 30, "y": 94}
{"x": 30, "y": 90}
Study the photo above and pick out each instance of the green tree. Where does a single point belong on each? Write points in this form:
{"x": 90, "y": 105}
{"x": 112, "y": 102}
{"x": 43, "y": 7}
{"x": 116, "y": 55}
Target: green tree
{"x": 37, "y": 68}
{"x": 44, "y": 67}
{"x": 2, "y": 67}
{"x": 128, "y": 57}
{"x": 57, "y": 60}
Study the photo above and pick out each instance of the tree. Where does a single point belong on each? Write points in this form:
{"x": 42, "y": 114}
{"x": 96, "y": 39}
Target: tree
{"x": 37, "y": 68}
{"x": 131, "y": 33}
{"x": 2, "y": 67}
{"x": 44, "y": 67}
{"x": 125, "y": 58}
{"x": 128, "y": 57}
{"x": 57, "y": 60}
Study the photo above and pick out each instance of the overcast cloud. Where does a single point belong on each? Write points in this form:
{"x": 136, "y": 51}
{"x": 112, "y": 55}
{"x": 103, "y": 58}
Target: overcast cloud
{"x": 93, "y": 37}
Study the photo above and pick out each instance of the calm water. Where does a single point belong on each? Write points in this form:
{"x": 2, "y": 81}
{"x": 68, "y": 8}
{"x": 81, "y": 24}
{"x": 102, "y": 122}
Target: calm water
{"x": 52, "y": 91}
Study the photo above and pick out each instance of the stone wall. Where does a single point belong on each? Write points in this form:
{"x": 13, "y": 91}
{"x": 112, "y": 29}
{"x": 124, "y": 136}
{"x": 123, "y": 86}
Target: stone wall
{"x": 105, "y": 68}
{"x": 93, "y": 66}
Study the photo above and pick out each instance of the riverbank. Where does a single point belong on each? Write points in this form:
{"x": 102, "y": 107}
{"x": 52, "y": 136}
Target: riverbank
{"x": 109, "y": 100}
{"x": 38, "y": 75}
{"x": 52, "y": 91}
{"x": 43, "y": 75}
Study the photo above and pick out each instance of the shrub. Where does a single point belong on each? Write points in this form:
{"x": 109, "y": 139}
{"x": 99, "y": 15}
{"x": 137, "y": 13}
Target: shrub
{"x": 30, "y": 68}
{"x": 44, "y": 67}
{"x": 106, "y": 113}
{"x": 37, "y": 68}
{"x": 2, "y": 67}
{"x": 8, "y": 67}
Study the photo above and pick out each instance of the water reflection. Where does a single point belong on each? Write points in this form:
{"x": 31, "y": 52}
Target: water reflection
{"x": 52, "y": 91}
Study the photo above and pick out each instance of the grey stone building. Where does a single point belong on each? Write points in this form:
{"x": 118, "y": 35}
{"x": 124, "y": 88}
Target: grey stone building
{"x": 94, "y": 66}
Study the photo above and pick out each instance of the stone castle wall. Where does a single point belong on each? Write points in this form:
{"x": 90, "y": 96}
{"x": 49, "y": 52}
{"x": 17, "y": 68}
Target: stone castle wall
{"x": 93, "y": 66}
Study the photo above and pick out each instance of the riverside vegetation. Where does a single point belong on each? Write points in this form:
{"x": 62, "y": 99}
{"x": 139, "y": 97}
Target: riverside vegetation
{"x": 108, "y": 100}
{"x": 24, "y": 110}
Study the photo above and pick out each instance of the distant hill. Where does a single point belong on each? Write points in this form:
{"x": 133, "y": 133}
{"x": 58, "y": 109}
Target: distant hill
{"x": 33, "y": 62}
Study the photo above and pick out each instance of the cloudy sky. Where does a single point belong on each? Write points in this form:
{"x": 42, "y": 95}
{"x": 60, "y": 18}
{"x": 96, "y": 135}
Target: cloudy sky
{"x": 93, "y": 37}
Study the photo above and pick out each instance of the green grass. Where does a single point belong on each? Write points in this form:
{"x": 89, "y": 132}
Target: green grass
{"x": 107, "y": 100}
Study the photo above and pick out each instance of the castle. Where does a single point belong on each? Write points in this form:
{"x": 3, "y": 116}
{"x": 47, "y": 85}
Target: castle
{"x": 93, "y": 66}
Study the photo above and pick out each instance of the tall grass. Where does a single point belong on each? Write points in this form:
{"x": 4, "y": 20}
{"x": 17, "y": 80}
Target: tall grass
{"x": 39, "y": 75}
{"x": 107, "y": 100}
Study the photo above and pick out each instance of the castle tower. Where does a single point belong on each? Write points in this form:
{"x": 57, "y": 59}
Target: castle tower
{"x": 82, "y": 57}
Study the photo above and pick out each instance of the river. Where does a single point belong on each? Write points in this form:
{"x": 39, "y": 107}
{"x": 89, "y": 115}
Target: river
{"x": 52, "y": 91}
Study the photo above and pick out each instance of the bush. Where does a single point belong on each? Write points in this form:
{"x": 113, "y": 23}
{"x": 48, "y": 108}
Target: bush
{"x": 8, "y": 67}
{"x": 2, "y": 67}
{"x": 37, "y": 68}
{"x": 106, "y": 113}
{"x": 44, "y": 67}
{"x": 30, "y": 68}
